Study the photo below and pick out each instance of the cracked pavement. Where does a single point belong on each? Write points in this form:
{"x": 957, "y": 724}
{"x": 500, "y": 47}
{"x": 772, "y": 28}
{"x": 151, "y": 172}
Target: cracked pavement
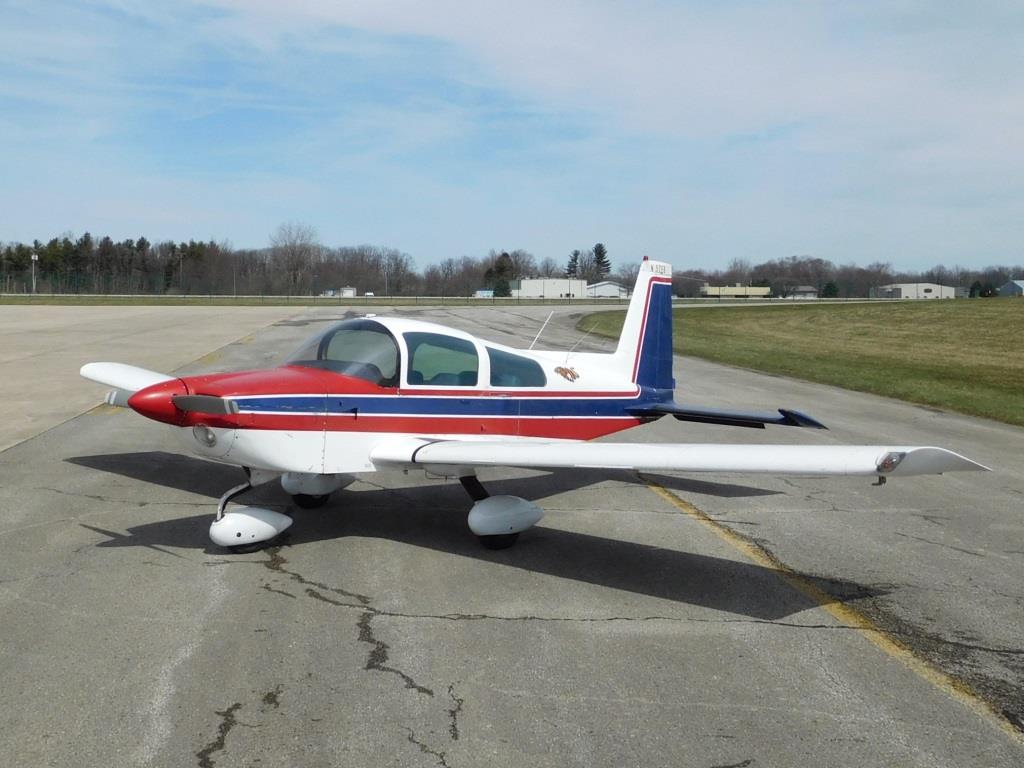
{"x": 618, "y": 632}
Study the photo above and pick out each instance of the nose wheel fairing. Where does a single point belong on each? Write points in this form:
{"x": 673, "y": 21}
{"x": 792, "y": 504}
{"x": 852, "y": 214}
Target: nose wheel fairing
{"x": 244, "y": 526}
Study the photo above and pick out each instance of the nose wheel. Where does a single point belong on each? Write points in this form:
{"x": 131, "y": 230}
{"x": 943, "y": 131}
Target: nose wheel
{"x": 310, "y": 501}
{"x": 242, "y": 528}
{"x": 499, "y": 541}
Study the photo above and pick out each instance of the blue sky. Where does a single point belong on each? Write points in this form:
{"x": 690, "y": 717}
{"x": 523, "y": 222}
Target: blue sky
{"x": 693, "y": 132}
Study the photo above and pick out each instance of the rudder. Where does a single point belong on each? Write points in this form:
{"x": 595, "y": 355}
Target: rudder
{"x": 644, "y": 351}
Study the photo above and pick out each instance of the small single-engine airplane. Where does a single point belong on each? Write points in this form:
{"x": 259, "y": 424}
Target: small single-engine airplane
{"x": 388, "y": 392}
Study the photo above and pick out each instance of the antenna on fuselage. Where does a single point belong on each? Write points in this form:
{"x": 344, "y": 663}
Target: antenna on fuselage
{"x": 582, "y": 339}
{"x": 550, "y": 314}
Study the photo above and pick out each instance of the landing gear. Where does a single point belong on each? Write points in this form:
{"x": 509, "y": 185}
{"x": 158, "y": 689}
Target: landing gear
{"x": 500, "y": 541}
{"x": 309, "y": 501}
{"x": 498, "y": 520}
{"x": 243, "y": 527}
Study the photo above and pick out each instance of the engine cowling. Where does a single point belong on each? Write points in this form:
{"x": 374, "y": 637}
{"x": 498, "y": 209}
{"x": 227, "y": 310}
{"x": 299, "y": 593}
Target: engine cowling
{"x": 500, "y": 515}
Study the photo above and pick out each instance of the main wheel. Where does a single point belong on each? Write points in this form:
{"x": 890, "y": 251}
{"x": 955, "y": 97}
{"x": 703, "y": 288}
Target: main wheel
{"x": 501, "y": 541}
{"x": 307, "y": 501}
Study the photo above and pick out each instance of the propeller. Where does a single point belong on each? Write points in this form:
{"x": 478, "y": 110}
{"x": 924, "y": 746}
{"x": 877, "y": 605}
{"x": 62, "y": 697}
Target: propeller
{"x": 204, "y": 404}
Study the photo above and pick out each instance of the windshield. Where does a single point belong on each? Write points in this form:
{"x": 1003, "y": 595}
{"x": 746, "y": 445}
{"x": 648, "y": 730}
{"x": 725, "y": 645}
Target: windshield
{"x": 361, "y": 348}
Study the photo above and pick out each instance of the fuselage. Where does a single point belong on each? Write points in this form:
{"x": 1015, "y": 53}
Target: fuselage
{"x": 371, "y": 379}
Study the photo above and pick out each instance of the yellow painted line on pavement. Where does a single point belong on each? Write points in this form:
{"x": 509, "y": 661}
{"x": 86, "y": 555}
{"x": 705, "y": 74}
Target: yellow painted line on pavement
{"x": 848, "y": 616}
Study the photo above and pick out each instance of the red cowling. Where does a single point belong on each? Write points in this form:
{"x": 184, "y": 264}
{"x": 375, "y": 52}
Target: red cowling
{"x": 155, "y": 402}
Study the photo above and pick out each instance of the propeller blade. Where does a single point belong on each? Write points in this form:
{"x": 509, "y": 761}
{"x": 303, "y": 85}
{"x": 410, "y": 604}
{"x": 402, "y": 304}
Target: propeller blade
{"x": 204, "y": 404}
{"x": 118, "y": 398}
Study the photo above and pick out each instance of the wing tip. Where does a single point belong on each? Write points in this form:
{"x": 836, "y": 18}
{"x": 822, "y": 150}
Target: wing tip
{"x": 932, "y": 460}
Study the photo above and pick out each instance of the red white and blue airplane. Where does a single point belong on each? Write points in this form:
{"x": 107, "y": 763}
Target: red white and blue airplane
{"x": 380, "y": 393}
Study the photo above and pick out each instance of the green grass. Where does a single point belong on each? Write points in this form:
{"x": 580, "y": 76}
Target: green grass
{"x": 962, "y": 355}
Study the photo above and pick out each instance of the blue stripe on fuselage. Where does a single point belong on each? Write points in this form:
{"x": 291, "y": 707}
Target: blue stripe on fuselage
{"x": 444, "y": 406}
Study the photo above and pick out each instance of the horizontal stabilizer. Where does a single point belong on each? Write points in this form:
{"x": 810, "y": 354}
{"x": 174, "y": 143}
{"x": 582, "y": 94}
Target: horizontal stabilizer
{"x": 782, "y": 417}
{"x": 128, "y": 378}
{"x": 863, "y": 460}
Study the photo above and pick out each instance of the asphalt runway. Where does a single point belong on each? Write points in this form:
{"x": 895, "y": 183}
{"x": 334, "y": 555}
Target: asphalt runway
{"x": 659, "y": 621}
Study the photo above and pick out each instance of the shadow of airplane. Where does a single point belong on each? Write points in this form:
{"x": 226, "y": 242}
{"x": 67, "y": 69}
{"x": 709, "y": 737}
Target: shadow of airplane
{"x": 433, "y": 517}
{"x": 187, "y": 473}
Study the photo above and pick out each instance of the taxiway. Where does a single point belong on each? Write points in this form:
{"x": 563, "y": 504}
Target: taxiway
{"x": 648, "y": 620}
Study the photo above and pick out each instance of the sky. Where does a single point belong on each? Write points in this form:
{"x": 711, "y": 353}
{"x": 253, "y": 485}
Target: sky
{"x": 693, "y": 132}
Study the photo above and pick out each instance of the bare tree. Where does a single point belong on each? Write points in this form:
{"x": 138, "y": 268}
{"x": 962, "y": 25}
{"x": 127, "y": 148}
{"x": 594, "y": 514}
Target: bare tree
{"x": 626, "y": 274}
{"x": 550, "y": 268}
{"x": 523, "y": 264}
{"x": 738, "y": 272}
{"x": 587, "y": 267}
{"x": 294, "y": 249}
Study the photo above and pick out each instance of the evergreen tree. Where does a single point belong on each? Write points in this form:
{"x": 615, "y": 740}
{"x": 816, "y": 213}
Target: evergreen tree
{"x": 574, "y": 259}
{"x": 830, "y": 291}
{"x": 601, "y": 263}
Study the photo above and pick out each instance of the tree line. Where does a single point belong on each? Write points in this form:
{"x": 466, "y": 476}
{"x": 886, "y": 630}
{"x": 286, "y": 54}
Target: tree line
{"x": 296, "y": 263}
{"x": 784, "y": 276}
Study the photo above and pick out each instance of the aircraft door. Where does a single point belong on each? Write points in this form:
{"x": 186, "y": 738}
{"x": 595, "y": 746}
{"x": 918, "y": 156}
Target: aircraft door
{"x": 510, "y": 413}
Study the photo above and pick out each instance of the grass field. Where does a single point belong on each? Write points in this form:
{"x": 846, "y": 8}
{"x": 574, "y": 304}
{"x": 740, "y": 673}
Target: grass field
{"x": 962, "y": 355}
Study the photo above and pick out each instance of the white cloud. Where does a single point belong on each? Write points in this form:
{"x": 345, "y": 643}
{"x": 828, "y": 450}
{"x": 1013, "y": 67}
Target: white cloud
{"x": 852, "y": 129}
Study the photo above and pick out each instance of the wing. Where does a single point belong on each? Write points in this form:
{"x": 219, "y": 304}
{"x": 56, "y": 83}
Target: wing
{"x": 862, "y": 460}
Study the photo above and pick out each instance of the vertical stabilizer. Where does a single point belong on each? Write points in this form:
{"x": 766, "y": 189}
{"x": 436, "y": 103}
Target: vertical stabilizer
{"x": 644, "y": 353}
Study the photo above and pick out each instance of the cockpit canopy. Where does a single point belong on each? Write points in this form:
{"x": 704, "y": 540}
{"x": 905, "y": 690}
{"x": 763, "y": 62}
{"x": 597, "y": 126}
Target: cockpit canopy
{"x": 361, "y": 348}
{"x": 367, "y": 349}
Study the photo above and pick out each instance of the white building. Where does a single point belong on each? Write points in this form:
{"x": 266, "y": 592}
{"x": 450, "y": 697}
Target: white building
{"x": 735, "y": 291}
{"x": 913, "y": 291}
{"x": 607, "y": 289}
{"x": 802, "y": 292}
{"x": 548, "y": 288}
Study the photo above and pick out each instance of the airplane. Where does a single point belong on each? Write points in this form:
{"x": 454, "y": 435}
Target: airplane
{"x": 378, "y": 393}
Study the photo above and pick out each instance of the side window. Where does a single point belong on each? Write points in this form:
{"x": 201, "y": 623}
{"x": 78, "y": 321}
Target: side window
{"x": 508, "y": 370}
{"x": 438, "y": 360}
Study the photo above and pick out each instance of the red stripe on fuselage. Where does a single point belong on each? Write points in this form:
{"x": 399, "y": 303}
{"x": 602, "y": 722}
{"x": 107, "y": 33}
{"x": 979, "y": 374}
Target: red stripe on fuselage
{"x": 570, "y": 429}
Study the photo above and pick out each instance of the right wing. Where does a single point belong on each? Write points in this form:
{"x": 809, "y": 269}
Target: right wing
{"x": 857, "y": 460}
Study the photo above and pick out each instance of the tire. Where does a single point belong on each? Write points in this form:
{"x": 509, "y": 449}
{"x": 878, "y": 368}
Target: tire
{"x": 306, "y": 501}
{"x": 501, "y": 541}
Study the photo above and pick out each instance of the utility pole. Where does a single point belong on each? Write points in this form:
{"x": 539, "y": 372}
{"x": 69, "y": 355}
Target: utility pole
{"x": 35, "y": 258}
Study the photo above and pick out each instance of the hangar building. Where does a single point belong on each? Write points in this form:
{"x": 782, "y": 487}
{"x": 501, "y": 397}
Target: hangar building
{"x": 1014, "y": 288}
{"x": 607, "y": 289}
{"x": 548, "y": 288}
{"x": 913, "y": 291}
